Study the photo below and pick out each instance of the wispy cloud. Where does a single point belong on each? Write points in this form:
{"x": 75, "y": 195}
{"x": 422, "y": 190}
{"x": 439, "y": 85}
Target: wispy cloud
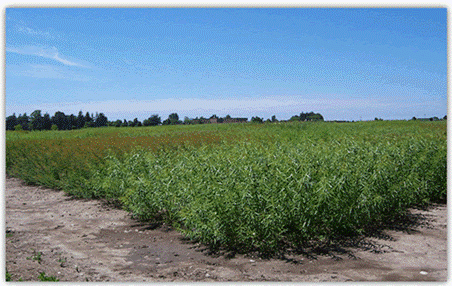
{"x": 47, "y": 71}
{"x": 33, "y": 32}
{"x": 45, "y": 52}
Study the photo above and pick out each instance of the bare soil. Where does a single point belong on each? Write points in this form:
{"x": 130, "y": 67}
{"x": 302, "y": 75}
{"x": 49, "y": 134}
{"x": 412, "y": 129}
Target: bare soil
{"x": 86, "y": 240}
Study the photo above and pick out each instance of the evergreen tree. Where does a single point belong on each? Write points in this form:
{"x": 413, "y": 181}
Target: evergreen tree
{"x": 24, "y": 121}
{"x": 101, "y": 120}
{"x": 11, "y": 121}
{"x": 80, "y": 120}
{"x": 60, "y": 120}
{"x": 36, "y": 120}
{"x": 88, "y": 118}
{"x": 46, "y": 122}
{"x": 135, "y": 122}
{"x": 72, "y": 122}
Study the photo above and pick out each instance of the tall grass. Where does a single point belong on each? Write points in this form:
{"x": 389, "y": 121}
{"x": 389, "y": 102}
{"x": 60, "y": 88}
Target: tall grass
{"x": 250, "y": 187}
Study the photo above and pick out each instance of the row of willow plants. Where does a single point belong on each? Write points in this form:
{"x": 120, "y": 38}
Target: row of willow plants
{"x": 275, "y": 186}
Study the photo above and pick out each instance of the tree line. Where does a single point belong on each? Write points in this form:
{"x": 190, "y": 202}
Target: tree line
{"x": 61, "y": 121}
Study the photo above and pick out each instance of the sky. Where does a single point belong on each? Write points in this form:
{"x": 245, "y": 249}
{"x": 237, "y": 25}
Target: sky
{"x": 344, "y": 63}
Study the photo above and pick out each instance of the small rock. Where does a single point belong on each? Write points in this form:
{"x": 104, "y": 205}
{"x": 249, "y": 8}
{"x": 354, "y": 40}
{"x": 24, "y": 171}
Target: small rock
{"x": 423, "y": 273}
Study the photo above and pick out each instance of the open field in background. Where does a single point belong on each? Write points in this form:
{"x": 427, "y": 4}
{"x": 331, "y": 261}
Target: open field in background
{"x": 246, "y": 187}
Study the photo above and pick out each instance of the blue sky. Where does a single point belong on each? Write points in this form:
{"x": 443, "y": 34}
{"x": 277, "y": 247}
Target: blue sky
{"x": 347, "y": 64}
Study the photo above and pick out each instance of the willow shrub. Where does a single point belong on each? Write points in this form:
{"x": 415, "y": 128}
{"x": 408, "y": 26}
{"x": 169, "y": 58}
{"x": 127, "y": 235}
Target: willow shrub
{"x": 264, "y": 196}
{"x": 273, "y": 186}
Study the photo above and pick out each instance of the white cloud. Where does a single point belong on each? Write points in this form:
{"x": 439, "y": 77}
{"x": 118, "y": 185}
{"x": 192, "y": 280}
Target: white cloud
{"x": 45, "y": 52}
{"x": 47, "y": 71}
{"x": 29, "y": 31}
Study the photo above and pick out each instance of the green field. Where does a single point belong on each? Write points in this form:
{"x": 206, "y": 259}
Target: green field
{"x": 246, "y": 187}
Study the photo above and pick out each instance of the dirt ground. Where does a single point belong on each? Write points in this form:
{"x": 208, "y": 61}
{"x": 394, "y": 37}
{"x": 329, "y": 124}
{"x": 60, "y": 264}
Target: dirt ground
{"x": 80, "y": 240}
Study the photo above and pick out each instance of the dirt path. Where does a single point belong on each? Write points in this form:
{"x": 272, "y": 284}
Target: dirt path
{"x": 88, "y": 241}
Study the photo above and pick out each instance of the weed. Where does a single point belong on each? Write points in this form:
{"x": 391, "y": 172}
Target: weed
{"x": 8, "y": 276}
{"x": 37, "y": 256}
{"x": 62, "y": 261}
{"x": 42, "y": 276}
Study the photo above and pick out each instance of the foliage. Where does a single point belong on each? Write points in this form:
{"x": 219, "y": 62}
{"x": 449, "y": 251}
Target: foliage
{"x": 8, "y": 276}
{"x": 246, "y": 186}
{"x": 42, "y": 276}
{"x": 37, "y": 255}
{"x": 257, "y": 119}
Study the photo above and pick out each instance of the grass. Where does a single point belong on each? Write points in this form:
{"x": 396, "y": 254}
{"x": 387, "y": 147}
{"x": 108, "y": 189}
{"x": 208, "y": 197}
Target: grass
{"x": 246, "y": 187}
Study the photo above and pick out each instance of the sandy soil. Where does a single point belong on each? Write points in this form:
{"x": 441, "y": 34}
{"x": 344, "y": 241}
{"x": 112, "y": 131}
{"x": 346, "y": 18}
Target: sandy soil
{"x": 79, "y": 240}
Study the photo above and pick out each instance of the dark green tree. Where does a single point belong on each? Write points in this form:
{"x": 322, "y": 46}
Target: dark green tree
{"x": 24, "y": 121}
{"x": 135, "y": 122}
{"x": 72, "y": 122}
{"x": 88, "y": 119}
{"x": 11, "y": 121}
{"x": 101, "y": 120}
{"x": 174, "y": 119}
{"x": 257, "y": 119}
{"x": 80, "y": 120}
{"x": 60, "y": 120}
{"x": 295, "y": 118}
{"x": 152, "y": 121}
{"x": 46, "y": 122}
{"x": 36, "y": 120}
{"x": 117, "y": 123}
